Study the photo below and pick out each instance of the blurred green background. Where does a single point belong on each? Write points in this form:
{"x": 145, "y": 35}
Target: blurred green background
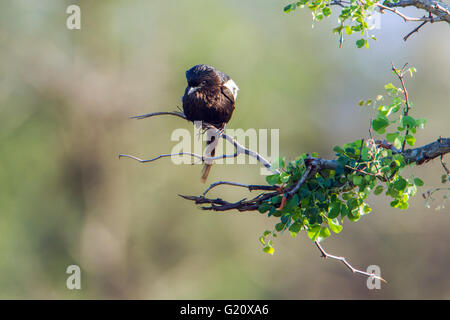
{"x": 65, "y": 198}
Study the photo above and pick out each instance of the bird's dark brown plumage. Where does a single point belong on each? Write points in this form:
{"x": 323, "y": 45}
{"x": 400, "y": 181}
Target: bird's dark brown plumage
{"x": 209, "y": 97}
{"x": 209, "y": 100}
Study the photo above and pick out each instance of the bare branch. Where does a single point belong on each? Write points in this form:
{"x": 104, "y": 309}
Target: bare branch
{"x": 162, "y": 156}
{"x": 348, "y": 265}
{"x": 250, "y": 187}
{"x": 404, "y": 17}
{"x": 153, "y": 114}
{"x": 400, "y": 74}
{"x": 438, "y": 8}
{"x": 415, "y": 30}
{"x": 444, "y": 165}
{"x": 240, "y": 149}
{"x": 200, "y": 157}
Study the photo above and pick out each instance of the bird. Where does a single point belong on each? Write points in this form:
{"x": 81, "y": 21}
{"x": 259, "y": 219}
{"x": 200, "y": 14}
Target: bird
{"x": 209, "y": 97}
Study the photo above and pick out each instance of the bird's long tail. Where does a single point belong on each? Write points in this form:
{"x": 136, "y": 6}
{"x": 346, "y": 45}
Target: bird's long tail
{"x": 206, "y": 169}
{"x": 211, "y": 143}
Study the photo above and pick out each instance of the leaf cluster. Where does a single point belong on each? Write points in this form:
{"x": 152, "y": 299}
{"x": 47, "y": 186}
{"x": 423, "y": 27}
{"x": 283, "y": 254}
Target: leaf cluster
{"x": 330, "y": 197}
{"x": 355, "y": 16}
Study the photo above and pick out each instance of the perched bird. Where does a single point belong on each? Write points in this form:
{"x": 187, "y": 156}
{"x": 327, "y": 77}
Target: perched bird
{"x": 209, "y": 97}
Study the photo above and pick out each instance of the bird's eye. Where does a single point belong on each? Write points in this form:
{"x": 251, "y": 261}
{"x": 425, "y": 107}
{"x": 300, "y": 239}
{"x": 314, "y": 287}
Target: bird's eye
{"x": 203, "y": 82}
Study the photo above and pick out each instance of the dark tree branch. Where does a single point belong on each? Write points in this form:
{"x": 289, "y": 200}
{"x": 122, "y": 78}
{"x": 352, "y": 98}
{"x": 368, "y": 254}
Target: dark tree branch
{"x": 250, "y": 187}
{"x": 416, "y": 156}
{"x": 440, "y": 9}
{"x": 415, "y": 30}
{"x": 428, "y": 152}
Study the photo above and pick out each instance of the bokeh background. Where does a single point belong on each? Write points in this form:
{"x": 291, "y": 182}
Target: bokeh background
{"x": 66, "y": 198}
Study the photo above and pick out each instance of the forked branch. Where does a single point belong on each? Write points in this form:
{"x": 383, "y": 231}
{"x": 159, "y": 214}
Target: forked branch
{"x": 239, "y": 148}
{"x": 348, "y": 265}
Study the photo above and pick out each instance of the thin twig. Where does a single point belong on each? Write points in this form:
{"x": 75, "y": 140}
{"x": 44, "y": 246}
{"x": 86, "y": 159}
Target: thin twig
{"x": 405, "y": 18}
{"x": 302, "y": 180}
{"x": 161, "y": 156}
{"x": 444, "y": 165}
{"x": 348, "y": 265}
{"x": 400, "y": 75}
{"x": 414, "y": 30}
{"x": 250, "y": 187}
{"x": 202, "y": 158}
{"x": 377, "y": 175}
{"x": 240, "y": 149}
{"x": 152, "y": 114}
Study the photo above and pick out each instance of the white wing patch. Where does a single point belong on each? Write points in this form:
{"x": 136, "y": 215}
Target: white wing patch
{"x": 230, "y": 84}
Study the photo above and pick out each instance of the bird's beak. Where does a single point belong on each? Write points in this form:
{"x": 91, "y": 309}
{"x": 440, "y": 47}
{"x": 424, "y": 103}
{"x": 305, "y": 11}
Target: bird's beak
{"x": 192, "y": 90}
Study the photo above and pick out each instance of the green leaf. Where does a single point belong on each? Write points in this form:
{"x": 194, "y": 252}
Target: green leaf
{"x": 279, "y": 226}
{"x": 348, "y": 30}
{"x": 379, "y": 124}
{"x": 268, "y": 249}
{"x": 326, "y": 11}
{"x": 420, "y": 123}
{"x": 378, "y": 190}
{"x": 390, "y": 87}
{"x": 284, "y": 177}
{"x": 323, "y": 234}
{"x": 409, "y": 121}
{"x": 365, "y": 209}
{"x": 400, "y": 184}
{"x": 318, "y": 16}
{"x": 338, "y": 149}
{"x": 334, "y": 210}
{"x": 276, "y": 199}
{"x": 261, "y": 239}
{"x": 418, "y": 182}
{"x": 352, "y": 203}
{"x": 264, "y": 207}
{"x": 295, "y": 227}
{"x": 313, "y": 232}
{"x": 392, "y": 136}
{"x": 347, "y": 196}
{"x": 398, "y": 142}
{"x": 403, "y": 205}
{"x": 357, "y": 180}
{"x": 412, "y": 70}
{"x": 354, "y": 215}
{"x": 273, "y": 179}
{"x": 334, "y": 225}
{"x": 360, "y": 43}
{"x": 410, "y": 140}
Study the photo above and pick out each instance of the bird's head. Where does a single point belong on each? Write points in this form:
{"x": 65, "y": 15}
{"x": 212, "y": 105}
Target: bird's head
{"x": 202, "y": 76}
